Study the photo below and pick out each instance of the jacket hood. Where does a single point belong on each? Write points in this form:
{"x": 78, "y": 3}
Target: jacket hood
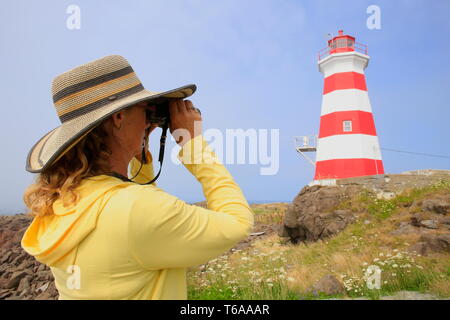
{"x": 51, "y": 238}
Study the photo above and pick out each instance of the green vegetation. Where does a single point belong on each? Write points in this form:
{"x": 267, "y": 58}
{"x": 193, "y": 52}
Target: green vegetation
{"x": 270, "y": 269}
{"x": 384, "y": 208}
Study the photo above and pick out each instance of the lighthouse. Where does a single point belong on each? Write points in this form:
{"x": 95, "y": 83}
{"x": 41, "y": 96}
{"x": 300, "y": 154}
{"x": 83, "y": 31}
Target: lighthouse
{"x": 347, "y": 143}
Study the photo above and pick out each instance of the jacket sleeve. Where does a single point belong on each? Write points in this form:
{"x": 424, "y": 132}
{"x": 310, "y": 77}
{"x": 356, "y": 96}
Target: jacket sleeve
{"x": 166, "y": 232}
{"x": 146, "y": 174}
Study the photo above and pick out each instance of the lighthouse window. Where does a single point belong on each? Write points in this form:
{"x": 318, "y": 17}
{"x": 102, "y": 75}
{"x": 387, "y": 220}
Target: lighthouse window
{"x": 341, "y": 43}
{"x": 347, "y": 125}
{"x": 350, "y": 43}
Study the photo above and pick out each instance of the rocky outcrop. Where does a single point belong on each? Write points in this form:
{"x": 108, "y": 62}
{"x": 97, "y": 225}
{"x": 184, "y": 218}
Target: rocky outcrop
{"x": 440, "y": 205}
{"x": 21, "y": 276}
{"x": 429, "y": 243}
{"x": 314, "y": 214}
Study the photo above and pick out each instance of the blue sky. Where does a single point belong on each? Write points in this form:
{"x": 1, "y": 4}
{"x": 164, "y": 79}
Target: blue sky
{"x": 254, "y": 63}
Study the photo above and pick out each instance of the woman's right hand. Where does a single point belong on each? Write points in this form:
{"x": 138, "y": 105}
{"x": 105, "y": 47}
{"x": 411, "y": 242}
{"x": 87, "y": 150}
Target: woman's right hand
{"x": 185, "y": 121}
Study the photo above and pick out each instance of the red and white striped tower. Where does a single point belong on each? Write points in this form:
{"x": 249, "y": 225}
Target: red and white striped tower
{"x": 347, "y": 145}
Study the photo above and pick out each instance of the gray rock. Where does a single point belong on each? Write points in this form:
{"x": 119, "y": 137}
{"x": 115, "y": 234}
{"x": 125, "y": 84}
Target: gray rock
{"x": 44, "y": 275}
{"x": 26, "y": 264}
{"x": 430, "y": 224}
{"x": 43, "y": 287}
{"x": 18, "y": 260}
{"x": 417, "y": 218}
{"x": 24, "y": 284}
{"x": 24, "y": 292}
{"x": 313, "y": 215}
{"x": 52, "y": 289}
{"x": 4, "y": 267}
{"x": 410, "y": 295}
{"x": 441, "y": 206}
{"x": 42, "y": 267}
{"x": 328, "y": 285}
{"x": 400, "y": 295}
{"x": 420, "y": 248}
{"x": 5, "y": 257}
{"x": 435, "y": 242}
{"x": 404, "y": 228}
{"x": 44, "y": 296}
{"x": 15, "y": 279}
{"x": 445, "y": 220}
{"x": 12, "y": 256}
{"x": 5, "y": 293}
{"x": 14, "y": 297}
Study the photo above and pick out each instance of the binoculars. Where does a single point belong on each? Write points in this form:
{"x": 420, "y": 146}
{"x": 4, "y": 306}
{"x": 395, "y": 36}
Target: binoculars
{"x": 158, "y": 112}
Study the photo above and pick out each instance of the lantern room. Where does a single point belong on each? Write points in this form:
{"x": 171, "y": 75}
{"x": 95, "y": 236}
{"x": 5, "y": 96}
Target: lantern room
{"x": 341, "y": 43}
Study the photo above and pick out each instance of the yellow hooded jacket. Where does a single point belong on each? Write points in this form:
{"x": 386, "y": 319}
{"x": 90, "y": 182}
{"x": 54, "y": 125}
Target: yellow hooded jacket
{"x": 128, "y": 241}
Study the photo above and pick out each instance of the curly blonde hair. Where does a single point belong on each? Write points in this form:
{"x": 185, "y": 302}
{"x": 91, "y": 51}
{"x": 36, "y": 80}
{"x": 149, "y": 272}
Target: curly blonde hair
{"x": 89, "y": 157}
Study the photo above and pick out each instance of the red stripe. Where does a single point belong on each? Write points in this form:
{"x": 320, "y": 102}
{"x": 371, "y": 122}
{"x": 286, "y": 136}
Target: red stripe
{"x": 344, "y": 80}
{"x": 347, "y": 168}
{"x": 332, "y": 123}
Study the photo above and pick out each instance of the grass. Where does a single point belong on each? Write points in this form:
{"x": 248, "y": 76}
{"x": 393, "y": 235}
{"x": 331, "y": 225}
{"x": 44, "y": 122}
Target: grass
{"x": 273, "y": 270}
{"x": 384, "y": 208}
{"x": 248, "y": 274}
{"x": 269, "y": 213}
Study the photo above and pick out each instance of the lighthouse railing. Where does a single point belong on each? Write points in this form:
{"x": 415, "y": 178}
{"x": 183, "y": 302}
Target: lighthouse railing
{"x": 359, "y": 47}
{"x": 323, "y": 53}
{"x": 305, "y": 144}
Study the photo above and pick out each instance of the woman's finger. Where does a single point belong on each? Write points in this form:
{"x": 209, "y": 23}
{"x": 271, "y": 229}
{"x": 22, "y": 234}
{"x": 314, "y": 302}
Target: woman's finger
{"x": 189, "y": 105}
{"x": 173, "y": 106}
{"x": 181, "y": 106}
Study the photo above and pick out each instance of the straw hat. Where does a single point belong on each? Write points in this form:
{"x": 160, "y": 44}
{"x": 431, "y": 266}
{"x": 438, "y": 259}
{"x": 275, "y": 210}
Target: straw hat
{"x": 87, "y": 95}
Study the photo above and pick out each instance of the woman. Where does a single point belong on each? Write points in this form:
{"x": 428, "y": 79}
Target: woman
{"x": 103, "y": 235}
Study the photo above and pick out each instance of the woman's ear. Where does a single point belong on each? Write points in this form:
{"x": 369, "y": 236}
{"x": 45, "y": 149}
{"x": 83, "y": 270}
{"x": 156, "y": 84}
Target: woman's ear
{"x": 117, "y": 119}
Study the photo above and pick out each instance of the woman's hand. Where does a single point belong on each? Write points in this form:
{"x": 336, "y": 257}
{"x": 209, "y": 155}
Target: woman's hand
{"x": 185, "y": 121}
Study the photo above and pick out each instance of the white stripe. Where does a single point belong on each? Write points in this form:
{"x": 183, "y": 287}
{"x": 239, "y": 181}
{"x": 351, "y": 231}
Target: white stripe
{"x": 348, "y": 146}
{"x": 345, "y": 100}
{"x": 343, "y": 62}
